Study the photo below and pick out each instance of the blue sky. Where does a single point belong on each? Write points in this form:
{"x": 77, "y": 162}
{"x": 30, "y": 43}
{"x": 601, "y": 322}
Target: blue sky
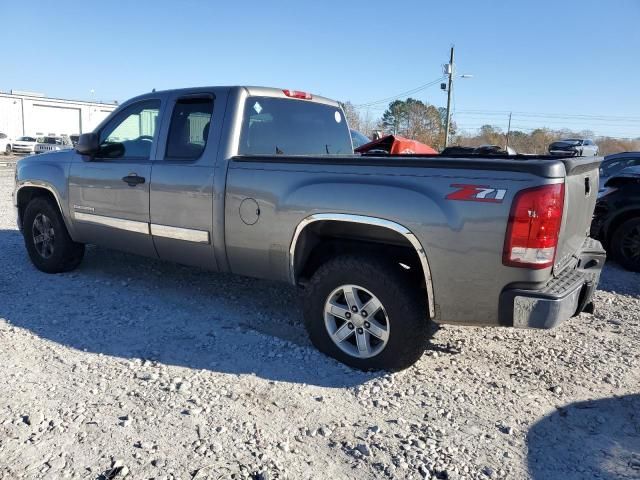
{"x": 576, "y": 59}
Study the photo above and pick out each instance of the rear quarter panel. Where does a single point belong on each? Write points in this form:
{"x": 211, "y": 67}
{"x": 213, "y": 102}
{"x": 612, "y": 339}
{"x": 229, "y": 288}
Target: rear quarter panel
{"x": 463, "y": 240}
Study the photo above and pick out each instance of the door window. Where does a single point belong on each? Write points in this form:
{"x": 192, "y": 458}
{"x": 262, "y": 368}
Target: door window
{"x": 189, "y": 128}
{"x": 131, "y": 133}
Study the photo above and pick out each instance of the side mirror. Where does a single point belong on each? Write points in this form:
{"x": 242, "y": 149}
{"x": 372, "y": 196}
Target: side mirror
{"x": 88, "y": 144}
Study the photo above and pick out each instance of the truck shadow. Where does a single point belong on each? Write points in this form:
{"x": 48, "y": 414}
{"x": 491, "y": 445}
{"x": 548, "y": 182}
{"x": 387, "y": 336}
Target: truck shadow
{"x": 132, "y": 307}
{"x": 616, "y": 279}
{"x": 592, "y": 439}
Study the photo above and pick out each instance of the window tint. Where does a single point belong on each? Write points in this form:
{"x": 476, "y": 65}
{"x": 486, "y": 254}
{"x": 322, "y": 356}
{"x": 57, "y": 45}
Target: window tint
{"x": 130, "y": 134}
{"x": 277, "y": 126}
{"x": 2, "y": 135}
{"x": 189, "y": 129}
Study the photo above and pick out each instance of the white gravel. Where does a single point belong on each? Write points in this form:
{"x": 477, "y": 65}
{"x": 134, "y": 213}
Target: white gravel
{"x": 135, "y": 368}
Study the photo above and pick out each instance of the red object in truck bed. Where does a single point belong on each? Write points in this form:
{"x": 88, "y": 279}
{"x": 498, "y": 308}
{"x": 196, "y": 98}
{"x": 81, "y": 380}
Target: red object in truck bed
{"x": 396, "y": 145}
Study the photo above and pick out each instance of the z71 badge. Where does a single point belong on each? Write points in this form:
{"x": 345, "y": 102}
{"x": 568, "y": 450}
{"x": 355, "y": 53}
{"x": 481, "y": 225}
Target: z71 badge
{"x": 477, "y": 193}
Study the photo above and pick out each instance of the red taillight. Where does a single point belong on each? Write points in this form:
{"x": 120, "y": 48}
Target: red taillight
{"x": 534, "y": 226}
{"x": 297, "y": 94}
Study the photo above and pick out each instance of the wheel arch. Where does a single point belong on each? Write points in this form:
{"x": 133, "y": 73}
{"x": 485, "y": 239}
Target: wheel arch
{"x": 618, "y": 220}
{"x": 385, "y": 233}
{"x": 27, "y": 191}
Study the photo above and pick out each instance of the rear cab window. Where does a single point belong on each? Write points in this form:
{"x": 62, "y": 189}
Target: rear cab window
{"x": 189, "y": 128}
{"x": 280, "y": 126}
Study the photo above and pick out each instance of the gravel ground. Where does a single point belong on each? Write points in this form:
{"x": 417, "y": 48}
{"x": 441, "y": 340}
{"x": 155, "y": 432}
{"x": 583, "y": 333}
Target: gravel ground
{"x": 130, "y": 367}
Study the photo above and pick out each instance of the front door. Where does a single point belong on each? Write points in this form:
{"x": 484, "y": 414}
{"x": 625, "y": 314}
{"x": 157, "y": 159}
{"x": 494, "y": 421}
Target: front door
{"x": 109, "y": 193}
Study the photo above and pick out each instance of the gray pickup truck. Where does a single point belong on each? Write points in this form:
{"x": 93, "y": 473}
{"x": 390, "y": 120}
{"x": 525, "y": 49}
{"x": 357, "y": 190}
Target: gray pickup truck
{"x": 263, "y": 182}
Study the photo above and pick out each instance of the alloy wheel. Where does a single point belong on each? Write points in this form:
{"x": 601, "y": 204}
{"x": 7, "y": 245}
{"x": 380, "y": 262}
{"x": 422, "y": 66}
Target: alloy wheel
{"x": 43, "y": 235}
{"x": 631, "y": 245}
{"x": 356, "y": 321}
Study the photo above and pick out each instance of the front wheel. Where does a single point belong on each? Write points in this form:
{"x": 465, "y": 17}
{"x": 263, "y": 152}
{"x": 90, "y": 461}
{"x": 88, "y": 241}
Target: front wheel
{"x": 366, "y": 313}
{"x": 625, "y": 244}
{"x": 7, "y": 149}
{"x": 48, "y": 243}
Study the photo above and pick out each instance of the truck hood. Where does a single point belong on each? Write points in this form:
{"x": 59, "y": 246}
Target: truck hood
{"x": 628, "y": 175}
{"x": 58, "y": 156}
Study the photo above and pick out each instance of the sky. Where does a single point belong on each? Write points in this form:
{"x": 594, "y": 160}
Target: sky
{"x": 562, "y": 63}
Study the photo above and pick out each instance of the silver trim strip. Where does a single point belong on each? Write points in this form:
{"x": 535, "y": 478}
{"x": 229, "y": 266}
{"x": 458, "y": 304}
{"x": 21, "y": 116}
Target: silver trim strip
{"x": 177, "y": 233}
{"x": 119, "y": 223}
{"x": 379, "y": 222}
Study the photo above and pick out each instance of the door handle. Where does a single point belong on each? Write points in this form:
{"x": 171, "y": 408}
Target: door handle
{"x": 133, "y": 179}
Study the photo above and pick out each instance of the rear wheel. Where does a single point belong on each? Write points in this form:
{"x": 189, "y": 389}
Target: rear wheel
{"x": 366, "y": 313}
{"x": 625, "y": 244}
{"x": 48, "y": 243}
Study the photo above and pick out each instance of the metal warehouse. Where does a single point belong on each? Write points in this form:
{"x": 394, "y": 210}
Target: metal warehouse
{"x": 34, "y": 114}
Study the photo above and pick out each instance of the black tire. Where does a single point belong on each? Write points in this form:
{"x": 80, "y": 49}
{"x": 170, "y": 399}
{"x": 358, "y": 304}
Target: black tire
{"x": 625, "y": 244}
{"x": 7, "y": 149}
{"x": 403, "y": 302}
{"x": 65, "y": 254}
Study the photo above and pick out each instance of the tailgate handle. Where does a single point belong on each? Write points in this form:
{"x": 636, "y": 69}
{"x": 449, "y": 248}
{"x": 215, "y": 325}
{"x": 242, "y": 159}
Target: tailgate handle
{"x": 587, "y": 186}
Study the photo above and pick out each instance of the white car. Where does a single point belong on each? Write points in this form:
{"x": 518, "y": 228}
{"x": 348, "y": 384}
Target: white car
{"x": 53, "y": 143}
{"x": 24, "y": 145}
{"x": 5, "y": 143}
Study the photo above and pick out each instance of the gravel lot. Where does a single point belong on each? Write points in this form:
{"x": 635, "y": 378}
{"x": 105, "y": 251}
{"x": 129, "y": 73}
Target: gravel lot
{"x": 134, "y": 368}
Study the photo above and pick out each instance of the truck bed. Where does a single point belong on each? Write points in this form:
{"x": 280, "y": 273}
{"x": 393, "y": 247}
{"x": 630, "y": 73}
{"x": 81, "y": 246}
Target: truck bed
{"x": 463, "y": 240}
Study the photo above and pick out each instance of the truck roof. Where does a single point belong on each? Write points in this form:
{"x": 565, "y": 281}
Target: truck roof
{"x": 257, "y": 91}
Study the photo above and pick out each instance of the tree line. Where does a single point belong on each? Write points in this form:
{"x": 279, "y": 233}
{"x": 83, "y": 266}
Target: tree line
{"x": 424, "y": 122}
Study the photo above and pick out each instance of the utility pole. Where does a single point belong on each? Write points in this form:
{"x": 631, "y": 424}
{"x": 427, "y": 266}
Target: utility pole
{"x": 508, "y": 131}
{"x": 450, "y": 87}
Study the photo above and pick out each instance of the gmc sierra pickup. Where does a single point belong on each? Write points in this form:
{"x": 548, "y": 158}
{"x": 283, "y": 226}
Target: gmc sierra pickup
{"x": 264, "y": 182}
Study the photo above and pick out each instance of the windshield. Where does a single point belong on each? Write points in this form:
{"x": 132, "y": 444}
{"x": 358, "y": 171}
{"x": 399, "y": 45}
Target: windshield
{"x": 610, "y": 168}
{"x": 278, "y": 126}
{"x": 26, "y": 139}
{"x": 358, "y": 139}
{"x": 52, "y": 140}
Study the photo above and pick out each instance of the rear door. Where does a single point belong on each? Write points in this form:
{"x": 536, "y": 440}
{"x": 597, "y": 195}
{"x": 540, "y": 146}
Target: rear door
{"x": 182, "y": 188}
{"x": 109, "y": 194}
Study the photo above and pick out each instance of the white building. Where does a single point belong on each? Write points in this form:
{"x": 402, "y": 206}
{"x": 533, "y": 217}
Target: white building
{"x": 34, "y": 114}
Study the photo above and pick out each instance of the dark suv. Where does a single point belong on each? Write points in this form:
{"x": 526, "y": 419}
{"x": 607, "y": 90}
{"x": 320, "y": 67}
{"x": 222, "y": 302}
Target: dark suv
{"x": 616, "y": 220}
{"x": 615, "y": 163}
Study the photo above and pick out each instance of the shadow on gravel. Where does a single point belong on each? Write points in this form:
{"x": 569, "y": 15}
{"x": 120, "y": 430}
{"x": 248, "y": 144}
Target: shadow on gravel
{"x": 132, "y": 307}
{"x": 593, "y": 439}
{"x": 616, "y": 279}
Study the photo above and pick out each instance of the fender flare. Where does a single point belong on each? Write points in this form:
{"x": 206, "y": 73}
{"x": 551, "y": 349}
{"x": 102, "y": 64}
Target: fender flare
{"x": 367, "y": 220}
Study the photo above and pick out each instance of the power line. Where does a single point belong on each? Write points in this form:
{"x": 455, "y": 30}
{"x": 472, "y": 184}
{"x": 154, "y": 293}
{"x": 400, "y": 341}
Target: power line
{"x": 617, "y": 118}
{"x": 403, "y": 94}
{"x": 514, "y": 128}
{"x": 550, "y": 121}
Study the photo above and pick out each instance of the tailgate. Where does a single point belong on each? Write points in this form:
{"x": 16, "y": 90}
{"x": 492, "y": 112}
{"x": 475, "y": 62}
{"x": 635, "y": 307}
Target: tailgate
{"x": 581, "y": 191}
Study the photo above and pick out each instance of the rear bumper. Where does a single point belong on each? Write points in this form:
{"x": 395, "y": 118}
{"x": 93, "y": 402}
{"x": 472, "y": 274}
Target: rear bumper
{"x": 561, "y": 298}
